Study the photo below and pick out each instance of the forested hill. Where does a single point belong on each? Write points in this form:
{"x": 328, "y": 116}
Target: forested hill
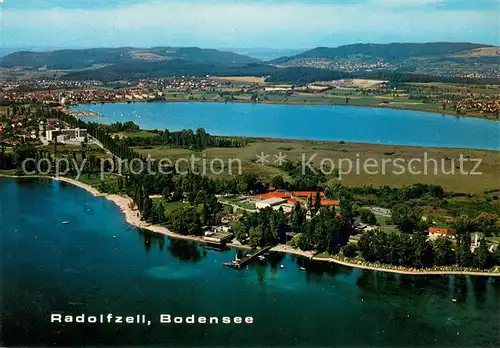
{"x": 394, "y": 52}
{"x": 86, "y": 58}
{"x": 408, "y": 62}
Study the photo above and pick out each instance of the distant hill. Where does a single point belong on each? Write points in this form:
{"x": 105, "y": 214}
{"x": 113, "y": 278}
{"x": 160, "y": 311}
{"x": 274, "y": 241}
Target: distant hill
{"x": 392, "y": 53}
{"x": 86, "y": 58}
{"x": 403, "y": 62}
{"x": 170, "y": 68}
{"x": 267, "y": 53}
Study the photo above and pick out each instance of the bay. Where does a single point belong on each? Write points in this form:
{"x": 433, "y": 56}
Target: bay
{"x": 309, "y": 122}
{"x": 99, "y": 264}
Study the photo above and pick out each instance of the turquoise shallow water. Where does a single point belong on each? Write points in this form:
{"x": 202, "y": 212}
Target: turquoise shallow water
{"x": 312, "y": 122}
{"x": 100, "y": 264}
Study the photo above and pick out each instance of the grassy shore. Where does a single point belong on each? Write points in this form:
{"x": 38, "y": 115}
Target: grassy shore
{"x": 132, "y": 216}
{"x": 388, "y": 102}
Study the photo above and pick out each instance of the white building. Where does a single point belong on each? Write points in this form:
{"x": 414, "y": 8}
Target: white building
{"x": 270, "y": 202}
{"x": 62, "y": 135}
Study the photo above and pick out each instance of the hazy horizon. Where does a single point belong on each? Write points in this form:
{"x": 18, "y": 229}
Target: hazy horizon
{"x": 272, "y": 24}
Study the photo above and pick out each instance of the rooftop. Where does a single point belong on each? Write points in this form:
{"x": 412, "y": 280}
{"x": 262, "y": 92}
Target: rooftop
{"x": 274, "y": 195}
{"x": 271, "y": 201}
{"x": 307, "y": 194}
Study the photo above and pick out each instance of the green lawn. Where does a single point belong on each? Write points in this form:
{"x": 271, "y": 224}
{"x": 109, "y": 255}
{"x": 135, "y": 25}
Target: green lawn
{"x": 390, "y": 229}
{"x": 110, "y": 181}
{"x": 382, "y": 220}
{"x": 170, "y": 206}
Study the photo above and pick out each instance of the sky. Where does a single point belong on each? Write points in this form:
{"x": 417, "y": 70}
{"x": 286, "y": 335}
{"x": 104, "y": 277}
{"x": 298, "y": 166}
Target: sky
{"x": 244, "y": 24}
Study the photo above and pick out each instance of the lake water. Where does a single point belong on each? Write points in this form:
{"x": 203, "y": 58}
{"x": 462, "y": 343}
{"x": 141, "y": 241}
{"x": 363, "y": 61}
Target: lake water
{"x": 312, "y": 122}
{"x": 100, "y": 264}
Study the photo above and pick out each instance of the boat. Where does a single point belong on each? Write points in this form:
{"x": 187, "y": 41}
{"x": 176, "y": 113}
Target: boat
{"x": 65, "y": 222}
{"x": 302, "y": 269}
{"x": 261, "y": 257}
{"x": 453, "y": 300}
{"x": 282, "y": 266}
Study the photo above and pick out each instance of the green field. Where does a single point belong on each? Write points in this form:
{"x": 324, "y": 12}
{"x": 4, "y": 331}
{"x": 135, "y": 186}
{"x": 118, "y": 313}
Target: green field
{"x": 336, "y": 151}
{"x": 110, "y": 181}
{"x": 141, "y": 133}
{"x": 169, "y": 206}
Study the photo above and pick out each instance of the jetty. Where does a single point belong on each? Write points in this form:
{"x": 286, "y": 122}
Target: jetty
{"x": 240, "y": 263}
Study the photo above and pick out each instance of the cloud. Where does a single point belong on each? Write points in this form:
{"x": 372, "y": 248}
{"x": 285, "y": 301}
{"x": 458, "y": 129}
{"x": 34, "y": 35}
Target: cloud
{"x": 289, "y": 24}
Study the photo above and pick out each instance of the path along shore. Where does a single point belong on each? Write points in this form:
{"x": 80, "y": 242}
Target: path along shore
{"x": 132, "y": 216}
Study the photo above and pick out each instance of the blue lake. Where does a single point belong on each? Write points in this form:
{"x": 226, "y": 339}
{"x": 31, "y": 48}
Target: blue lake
{"x": 311, "y": 122}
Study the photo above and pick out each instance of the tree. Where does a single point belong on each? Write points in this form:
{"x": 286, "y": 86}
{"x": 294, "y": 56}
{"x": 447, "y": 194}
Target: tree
{"x": 297, "y": 217}
{"x": 147, "y": 208}
{"x": 317, "y": 201}
{"x": 367, "y": 216}
{"x": 443, "y": 252}
{"x": 256, "y": 236}
{"x": 424, "y": 254}
{"x": 160, "y": 212}
{"x": 120, "y": 183}
{"x": 240, "y": 230}
{"x": 278, "y": 182}
{"x": 303, "y": 242}
{"x": 406, "y": 218}
{"x": 346, "y": 209}
{"x": 487, "y": 223}
{"x": 350, "y": 250}
{"x": 482, "y": 257}
{"x": 463, "y": 254}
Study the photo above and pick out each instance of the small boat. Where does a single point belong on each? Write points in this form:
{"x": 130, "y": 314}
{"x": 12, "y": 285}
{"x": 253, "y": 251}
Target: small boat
{"x": 65, "y": 222}
{"x": 261, "y": 257}
{"x": 282, "y": 266}
{"x": 453, "y": 300}
{"x": 302, "y": 269}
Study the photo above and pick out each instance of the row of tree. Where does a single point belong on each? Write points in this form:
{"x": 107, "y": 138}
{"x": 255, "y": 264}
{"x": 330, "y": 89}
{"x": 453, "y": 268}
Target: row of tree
{"x": 417, "y": 251}
{"x": 198, "y": 140}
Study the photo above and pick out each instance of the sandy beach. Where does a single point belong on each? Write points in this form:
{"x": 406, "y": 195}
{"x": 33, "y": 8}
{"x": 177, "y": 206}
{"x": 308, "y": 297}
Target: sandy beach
{"x": 133, "y": 217}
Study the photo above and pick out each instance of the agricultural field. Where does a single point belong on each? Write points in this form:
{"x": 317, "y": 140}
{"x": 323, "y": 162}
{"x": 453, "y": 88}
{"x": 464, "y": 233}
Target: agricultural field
{"x": 336, "y": 151}
{"x": 244, "y": 79}
{"x": 141, "y": 133}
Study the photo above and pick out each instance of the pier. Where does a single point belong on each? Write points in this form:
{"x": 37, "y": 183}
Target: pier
{"x": 239, "y": 264}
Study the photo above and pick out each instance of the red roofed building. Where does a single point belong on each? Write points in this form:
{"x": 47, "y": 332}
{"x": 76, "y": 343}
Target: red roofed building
{"x": 329, "y": 202}
{"x": 305, "y": 194}
{"x": 441, "y": 231}
{"x": 274, "y": 195}
{"x": 293, "y": 201}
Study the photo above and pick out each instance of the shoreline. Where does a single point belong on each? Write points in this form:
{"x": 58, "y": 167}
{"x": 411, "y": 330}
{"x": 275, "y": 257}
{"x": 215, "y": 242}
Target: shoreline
{"x": 407, "y": 272}
{"x": 132, "y": 217}
{"x": 379, "y": 106}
